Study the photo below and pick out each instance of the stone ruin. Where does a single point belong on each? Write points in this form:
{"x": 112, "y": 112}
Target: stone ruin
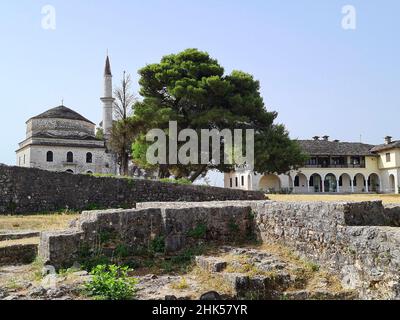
{"x": 359, "y": 242}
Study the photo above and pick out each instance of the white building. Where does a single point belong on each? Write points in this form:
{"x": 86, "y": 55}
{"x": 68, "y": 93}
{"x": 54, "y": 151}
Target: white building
{"x": 333, "y": 167}
{"x": 60, "y": 139}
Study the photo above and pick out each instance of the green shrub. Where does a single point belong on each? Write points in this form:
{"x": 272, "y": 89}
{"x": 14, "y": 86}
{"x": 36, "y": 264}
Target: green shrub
{"x": 198, "y": 232}
{"x": 122, "y": 251}
{"x": 158, "y": 245}
{"x": 111, "y": 283}
{"x": 183, "y": 181}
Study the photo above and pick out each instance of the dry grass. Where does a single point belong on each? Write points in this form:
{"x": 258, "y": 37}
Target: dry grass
{"x": 181, "y": 285}
{"x": 387, "y": 199}
{"x": 36, "y": 222}
{"x": 309, "y": 274}
{"x": 8, "y": 243}
{"x": 212, "y": 281}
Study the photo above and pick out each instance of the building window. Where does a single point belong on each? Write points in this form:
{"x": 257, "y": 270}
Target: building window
{"x": 89, "y": 172}
{"x": 70, "y": 157}
{"x": 89, "y": 157}
{"x": 340, "y": 182}
{"x": 388, "y": 157}
{"x": 242, "y": 181}
{"x": 355, "y": 182}
{"x": 231, "y": 182}
{"x": 49, "y": 156}
{"x": 312, "y": 181}
{"x": 297, "y": 181}
{"x": 69, "y": 171}
{"x": 24, "y": 159}
{"x": 236, "y": 181}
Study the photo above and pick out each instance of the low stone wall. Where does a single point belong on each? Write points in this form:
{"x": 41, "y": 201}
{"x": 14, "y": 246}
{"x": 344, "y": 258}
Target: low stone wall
{"x": 24, "y": 190}
{"x": 357, "y": 241}
{"x": 341, "y": 237}
{"x": 139, "y": 230}
{"x": 18, "y": 254}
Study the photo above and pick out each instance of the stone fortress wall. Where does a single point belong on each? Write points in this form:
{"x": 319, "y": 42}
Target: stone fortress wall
{"x": 26, "y": 190}
{"x": 357, "y": 241}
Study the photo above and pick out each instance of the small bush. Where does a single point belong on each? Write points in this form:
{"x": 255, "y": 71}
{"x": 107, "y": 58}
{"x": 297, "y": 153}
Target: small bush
{"x": 198, "y": 232}
{"x": 111, "y": 283}
{"x": 122, "y": 251}
{"x": 158, "y": 245}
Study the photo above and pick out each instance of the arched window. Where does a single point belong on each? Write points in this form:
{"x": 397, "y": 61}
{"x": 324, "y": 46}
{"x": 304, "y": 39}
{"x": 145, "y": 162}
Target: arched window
{"x": 89, "y": 172}
{"x": 49, "y": 156}
{"x": 70, "y": 157}
{"x": 69, "y": 171}
{"x": 89, "y": 157}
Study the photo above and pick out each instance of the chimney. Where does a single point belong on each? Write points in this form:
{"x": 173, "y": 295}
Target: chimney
{"x": 326, "y": 138}
{"x": 316, "y": 138}
{"x": 388, "y": 140}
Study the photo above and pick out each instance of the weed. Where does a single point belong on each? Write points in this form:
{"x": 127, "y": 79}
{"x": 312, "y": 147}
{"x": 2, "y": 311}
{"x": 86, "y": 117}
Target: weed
{"x": 111, "y": 283}
{"x": 158, "y": 245}
{"x": 198, "y": 232}
{"x": 181, "y": 285}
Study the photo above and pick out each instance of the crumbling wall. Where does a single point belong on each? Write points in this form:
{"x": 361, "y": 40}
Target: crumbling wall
{"x": 357, "y": 241}
{"x": 137, "y": 230}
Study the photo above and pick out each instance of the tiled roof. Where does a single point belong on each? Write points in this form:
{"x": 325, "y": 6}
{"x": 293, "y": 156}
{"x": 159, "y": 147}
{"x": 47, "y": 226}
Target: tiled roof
{"x": 62, "y": 112}
{"x": 333, "y": 148}
{"x": 383, "y": 147}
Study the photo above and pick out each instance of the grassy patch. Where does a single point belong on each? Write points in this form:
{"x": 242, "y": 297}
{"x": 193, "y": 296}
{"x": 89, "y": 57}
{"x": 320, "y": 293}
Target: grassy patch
{"x": 181, "y": 285}
{"x": 25, "y": 241}
{"x": 37, "y": 222}
{"x": 212, "y": 282}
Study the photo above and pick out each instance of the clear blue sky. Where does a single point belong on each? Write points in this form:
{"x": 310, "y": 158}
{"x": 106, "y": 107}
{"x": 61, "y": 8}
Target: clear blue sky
{"x": 320, "y": 78}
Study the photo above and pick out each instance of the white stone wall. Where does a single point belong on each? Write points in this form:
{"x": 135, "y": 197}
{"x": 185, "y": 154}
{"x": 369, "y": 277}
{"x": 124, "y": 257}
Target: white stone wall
{"x": 102, "y": 162}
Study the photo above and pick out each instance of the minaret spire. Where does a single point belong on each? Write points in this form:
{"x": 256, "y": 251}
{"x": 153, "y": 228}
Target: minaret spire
{"x": 107, "y": 100}
{"x": 107, "y": 69}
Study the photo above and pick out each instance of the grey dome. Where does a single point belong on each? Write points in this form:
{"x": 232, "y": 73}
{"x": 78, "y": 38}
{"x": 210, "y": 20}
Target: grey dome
{"x": 62, "y": 112}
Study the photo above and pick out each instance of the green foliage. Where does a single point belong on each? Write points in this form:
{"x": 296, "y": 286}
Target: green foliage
{"x": 234, "y": 228}
{"x": 88, "y": 259}
{"x": 192, "y": 88}
{"x": 182, "y": 181}
{"x": 94, "y": 206}
{"x": 107, "y": 236}
{"x": 122, "y": 251}
{"x": 111, "y": 282}
{"x": 311, "y": 266}
{"x": 100, "y": 133}
{"x": 37, "y": 268}
{"x": 198, "y": 232}
{"x": 158, "y": 245}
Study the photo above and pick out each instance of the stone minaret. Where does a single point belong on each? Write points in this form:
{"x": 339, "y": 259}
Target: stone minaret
{"x": 107, "y": 100}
